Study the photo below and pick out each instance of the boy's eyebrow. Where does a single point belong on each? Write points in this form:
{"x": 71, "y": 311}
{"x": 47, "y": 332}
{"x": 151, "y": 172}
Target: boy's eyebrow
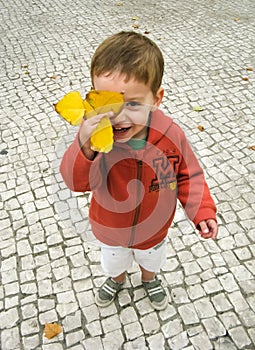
{"x": 134, "y": 98}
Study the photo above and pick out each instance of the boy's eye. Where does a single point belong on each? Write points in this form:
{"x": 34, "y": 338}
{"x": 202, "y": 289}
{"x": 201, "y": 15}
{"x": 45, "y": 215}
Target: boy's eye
{"x": 132, "y": 104}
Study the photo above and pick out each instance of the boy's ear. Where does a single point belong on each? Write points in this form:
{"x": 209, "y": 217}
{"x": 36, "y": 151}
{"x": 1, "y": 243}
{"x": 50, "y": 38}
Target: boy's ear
{"x": 159, "y": 96}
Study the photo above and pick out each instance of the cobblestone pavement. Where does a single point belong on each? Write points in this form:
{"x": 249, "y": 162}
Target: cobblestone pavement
{"x": 46, "y": 267}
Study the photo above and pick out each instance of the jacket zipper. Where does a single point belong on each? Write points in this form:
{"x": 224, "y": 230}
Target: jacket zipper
{"x": 138, "y": 206}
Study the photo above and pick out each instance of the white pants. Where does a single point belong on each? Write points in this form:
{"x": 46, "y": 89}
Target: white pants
{"x": 116, "y": 260}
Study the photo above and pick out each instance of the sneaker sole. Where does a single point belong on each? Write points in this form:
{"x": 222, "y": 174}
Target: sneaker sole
{"x": 160, "y": 307}
{"x": 101, "y": 303}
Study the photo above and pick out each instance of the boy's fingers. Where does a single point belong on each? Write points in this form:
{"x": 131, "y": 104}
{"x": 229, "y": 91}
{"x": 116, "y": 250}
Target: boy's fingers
{"x": 208, "y": 229}
{"x": 213, "y": 226}
{"x": 203, "y": 227}
{"x": 204, "y": 230}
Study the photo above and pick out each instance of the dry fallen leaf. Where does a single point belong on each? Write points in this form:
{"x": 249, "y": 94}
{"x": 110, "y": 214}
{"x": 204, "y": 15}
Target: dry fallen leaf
{"x": 197, "y": 108}
{"x": 249, "y": 69}
{"x": 54, "y": 76}
{"x": 252, "y": 147}
{"x": 136, "y": 26}
{"x": 201, "y": 128}
{"x": 51, "y": 330}
{"x": 245, "y": 78}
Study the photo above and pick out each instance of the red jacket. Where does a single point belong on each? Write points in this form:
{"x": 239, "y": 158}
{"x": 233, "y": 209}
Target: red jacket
{"x": 135, "y": 192}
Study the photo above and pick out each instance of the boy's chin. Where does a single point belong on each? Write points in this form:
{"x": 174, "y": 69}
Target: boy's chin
{"x": 124, "y": 140}
{"x": 121, "y": 138}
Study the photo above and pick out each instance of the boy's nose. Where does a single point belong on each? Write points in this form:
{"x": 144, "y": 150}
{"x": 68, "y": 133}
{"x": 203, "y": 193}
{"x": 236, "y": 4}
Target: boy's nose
{"x": 119, "y": 118}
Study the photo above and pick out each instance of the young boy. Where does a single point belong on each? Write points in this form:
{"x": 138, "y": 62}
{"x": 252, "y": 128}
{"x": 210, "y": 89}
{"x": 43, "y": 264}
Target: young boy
{"x": 136, "y": 185}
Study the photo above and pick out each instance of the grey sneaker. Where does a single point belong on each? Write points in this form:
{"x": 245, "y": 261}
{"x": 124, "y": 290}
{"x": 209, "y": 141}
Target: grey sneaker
{"x": 156, "y": 294}
{"x": 107, "y": 292}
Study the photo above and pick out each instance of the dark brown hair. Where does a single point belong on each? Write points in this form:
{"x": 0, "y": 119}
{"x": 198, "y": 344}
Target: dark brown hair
{"x": 131, "y": 54}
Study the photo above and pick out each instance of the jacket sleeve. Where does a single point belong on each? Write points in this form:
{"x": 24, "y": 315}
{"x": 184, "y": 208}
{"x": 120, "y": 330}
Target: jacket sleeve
{"x": 78, "y": 172}
{"x": 193, "y": 191}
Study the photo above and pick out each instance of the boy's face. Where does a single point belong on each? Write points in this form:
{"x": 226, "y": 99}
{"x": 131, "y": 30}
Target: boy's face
{"x": 131, "y": 122}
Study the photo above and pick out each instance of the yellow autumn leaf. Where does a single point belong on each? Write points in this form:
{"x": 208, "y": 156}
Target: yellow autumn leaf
{"x": 72, "y": 108}
{"x": 102, "y": 138}
{"x": 51, "y": 330}
{"x": 103, "y": 102}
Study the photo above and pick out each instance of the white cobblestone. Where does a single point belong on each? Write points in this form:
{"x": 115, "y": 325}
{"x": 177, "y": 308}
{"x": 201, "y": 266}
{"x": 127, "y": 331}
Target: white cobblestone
{"x": 28, "y": 311}
{"x": 150, "y": 323}
{"x": 241, "y": 273}
{"x": 179, "y": 342}
{"x": 248, "y": 318}
{"x": 48, "y": 317}
{"x": 10, "y": 339}
{"x": 156, "y": 341}
{"x": 133, "y": 330}
{"x": 195, "y": 291}
{"x": 31, "y": 342}
{"x": 94, "y": 328}
{"x": 113, "y": 340}
{"x": 221, "y": 303}
{"x": 228, "y": 282}
{"x": 171, "y": 328}
{"x": 229, "y": 319}
{"x": 204, "y": 308}
{"x": 91, "y": 313}
{"x": 138, "y": 343}
{"x": 74, "y": 337}
{"x": 240, "y": 337}
{"x": 111, "y": 323}
{"x": 92, "y": 343}
{"x": 201, "y": 341}
{"x": 128, "y": 315}
{"x": 224, "y": 344}
{"x": 29, "y": 326}
{"x": 238, "y": 301}
{"x": 214, "y": 327}
{"x": 66, "y": 309}
{"x": 188, "y": 314}
{"x": 9, "y": 318}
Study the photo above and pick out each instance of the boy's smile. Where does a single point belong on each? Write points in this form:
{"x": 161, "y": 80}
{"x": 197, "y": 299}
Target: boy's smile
{"x": 132, "y": 121}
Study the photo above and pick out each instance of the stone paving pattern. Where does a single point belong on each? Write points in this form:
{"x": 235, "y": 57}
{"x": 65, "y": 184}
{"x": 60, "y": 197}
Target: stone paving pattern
{"x": 46, "y": 266}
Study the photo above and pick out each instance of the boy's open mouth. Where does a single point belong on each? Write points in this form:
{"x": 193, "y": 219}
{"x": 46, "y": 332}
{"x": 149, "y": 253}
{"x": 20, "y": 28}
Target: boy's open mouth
{"x": 120, "y": 130}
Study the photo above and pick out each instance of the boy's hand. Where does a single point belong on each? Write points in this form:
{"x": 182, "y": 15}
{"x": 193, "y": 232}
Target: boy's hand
{"x": 208, "y": 229}
{"x": 86, "y": 130}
